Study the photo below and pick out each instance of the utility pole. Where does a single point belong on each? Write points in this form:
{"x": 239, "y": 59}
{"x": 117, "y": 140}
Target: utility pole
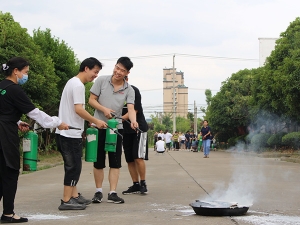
{"x": 174, "y": 102}
{"x": 195, "y": 118}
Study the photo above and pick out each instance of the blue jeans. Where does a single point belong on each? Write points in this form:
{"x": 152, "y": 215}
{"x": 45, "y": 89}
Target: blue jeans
{"x": 206, "y": 147}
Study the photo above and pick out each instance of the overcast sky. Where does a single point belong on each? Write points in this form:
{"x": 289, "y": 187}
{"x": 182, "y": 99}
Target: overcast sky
{"x": 110, "y": 29}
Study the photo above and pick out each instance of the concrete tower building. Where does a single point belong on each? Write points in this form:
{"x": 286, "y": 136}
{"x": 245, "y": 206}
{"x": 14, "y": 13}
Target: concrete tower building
{"x": 181, "y": 93}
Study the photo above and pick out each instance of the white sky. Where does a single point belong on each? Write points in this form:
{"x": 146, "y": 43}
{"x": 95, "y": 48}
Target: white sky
{"x": 110, "y": 29}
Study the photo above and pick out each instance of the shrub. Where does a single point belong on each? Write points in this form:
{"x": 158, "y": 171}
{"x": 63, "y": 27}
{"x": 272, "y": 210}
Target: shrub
{"x": 275, "y": 140}
{"x": 241, "y": 139}
{"x": 231, "y": 141}
{"x": 259, "y": 141}
{"x": 292, "y": 139}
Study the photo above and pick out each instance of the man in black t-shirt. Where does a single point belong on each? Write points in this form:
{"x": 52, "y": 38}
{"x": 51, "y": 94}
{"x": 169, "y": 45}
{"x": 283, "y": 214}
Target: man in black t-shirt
{"x": 135, "y": 146}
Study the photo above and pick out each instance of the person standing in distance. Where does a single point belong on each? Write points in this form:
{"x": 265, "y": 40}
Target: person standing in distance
{"x": 69, "y": 142}
{"x": 107, "y": 96}
{"x": 13, "y": 103}
{"x": 205, "y": 133}
{"x": 136, "y": 146}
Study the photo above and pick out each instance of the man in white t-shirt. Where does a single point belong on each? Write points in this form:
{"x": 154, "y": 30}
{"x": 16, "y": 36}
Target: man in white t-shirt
{"x": 160, "y": 145}
{"x": 161, "y": 134}
{"x": 69, "y": 142}
{"x": 167, "y": 138}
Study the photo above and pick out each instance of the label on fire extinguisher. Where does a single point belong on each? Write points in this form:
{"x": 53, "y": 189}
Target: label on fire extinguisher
{"x": 112, "y": 131}
{"x": 91, "y": 137}
{"x": 26, "y": 145}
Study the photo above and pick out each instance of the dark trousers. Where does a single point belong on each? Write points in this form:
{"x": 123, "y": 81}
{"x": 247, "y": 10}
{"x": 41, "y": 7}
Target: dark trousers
{"x": 168, "y": 145}
{"x": 8, "y": 185}
{"x": 176, "y": 145}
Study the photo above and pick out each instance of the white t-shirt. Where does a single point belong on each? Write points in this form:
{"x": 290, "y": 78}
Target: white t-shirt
{"x": 73, "y": 93}
{"x": 168, "y": 137}
{"x": 182, "y": 137}
{"x": 161, "y": 135}
{"x": 160, "y": 146}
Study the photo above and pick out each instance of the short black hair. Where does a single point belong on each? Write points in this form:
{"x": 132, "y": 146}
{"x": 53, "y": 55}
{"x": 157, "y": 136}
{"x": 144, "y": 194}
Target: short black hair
{"x": 14, "y": 63}
{"x": 159, "y": 138}
{"x": 126, "y": 62}
{"x": 90, "y": 63}
{"x": 205, "y": 120}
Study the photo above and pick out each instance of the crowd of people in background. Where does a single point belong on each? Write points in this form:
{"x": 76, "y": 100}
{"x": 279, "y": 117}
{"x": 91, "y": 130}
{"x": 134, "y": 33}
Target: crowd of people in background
{"x": 190, "y": 141}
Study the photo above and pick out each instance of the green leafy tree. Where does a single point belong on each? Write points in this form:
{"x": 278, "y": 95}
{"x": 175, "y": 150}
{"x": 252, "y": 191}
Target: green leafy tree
{"x": 167, "y": 121}
{"x": 157, "y": 124}
{"x": 277, "y": 87}
{"x": 66, "y": 65}
{"x": 15, "y": 41}
{"x": 182, "y": 124}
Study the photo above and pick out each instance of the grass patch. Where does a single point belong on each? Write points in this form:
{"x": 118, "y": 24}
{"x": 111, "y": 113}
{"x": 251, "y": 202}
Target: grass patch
{"x": 47, "y": 159}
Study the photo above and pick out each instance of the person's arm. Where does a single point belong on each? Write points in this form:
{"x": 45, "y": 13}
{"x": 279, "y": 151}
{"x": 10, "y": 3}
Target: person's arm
{"x": 47, "y": 121}
{"x": 86, "y": 116}
{"x": 93, "y": 101}
{"x": 132, "y": 116}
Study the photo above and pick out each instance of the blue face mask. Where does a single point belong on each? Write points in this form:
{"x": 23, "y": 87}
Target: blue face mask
{"x": 23, "y": 79}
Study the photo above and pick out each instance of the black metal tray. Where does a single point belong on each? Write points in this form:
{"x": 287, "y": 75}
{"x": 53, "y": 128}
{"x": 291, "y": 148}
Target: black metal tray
{"x": 217, "y": 208}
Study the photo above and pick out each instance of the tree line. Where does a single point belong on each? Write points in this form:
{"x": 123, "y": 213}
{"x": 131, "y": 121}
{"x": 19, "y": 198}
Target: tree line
{"x": 52, "y": 64}
{"x": 261, "y": 98}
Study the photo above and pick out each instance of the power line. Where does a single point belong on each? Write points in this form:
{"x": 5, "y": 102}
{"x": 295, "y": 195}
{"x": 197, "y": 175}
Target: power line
{"x": 186, "y": 55}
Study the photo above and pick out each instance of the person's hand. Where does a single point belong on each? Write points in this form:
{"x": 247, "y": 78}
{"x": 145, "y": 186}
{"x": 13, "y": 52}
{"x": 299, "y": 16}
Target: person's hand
{"x": 134, "y": 125}
{"x": 23, "y": 127}
{"x": 100, "y": 124}
{"x": 63, "y": 126}
{"x": 107, "y": 113}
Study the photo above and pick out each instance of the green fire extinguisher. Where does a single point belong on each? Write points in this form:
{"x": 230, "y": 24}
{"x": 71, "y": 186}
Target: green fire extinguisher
{"x": 91, "y": 144}
{"x": 200, "y": 143}
{"x": 30, "y": 146}
{"x": 111, "y": 135}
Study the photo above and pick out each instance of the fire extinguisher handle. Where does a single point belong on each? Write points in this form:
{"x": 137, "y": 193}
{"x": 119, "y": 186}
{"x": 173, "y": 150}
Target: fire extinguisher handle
{"x": 114, "y": 115}
{"x": 74, "y": 128}
{"x": 115, "y": 131}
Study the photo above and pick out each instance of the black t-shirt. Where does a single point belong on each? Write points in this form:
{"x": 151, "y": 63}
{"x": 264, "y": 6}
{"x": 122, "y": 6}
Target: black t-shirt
{"x": 187, "y": 136}
{"x": 140, "y": 118}
{"x": 13, "y": 101}
{"x": 204, "y": 131}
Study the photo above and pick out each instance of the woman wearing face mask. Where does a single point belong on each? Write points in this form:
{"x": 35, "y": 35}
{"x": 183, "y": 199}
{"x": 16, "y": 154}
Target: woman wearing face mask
{"x": 13, "y": 103}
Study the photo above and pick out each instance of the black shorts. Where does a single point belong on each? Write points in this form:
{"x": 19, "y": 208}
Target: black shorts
{"x": 131, "y": 147}
{"x": 114, "y": 158}
{"x": 71, "y": 151}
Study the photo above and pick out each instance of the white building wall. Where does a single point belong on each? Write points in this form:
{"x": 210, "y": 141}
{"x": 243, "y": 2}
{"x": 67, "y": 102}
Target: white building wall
{"x": 266, "y": 46}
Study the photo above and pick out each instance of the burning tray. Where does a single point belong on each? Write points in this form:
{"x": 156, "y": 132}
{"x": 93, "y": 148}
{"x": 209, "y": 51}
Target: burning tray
{"x": 218, "y": 208}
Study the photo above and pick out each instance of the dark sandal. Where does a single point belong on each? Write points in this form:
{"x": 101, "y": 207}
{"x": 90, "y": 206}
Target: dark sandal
{"x": 11, "y": 219}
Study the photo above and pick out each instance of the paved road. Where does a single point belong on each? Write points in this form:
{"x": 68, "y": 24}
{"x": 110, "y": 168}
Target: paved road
{"x": 174, "y": 180}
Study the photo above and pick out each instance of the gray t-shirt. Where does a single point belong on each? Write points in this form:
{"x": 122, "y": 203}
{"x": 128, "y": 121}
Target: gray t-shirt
{"x": 107, "y": 97}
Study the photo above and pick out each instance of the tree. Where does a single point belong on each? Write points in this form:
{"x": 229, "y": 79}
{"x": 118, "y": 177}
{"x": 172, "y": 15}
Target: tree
{"x": 156, "y": 124}
{"x": 15, "y": 41}
{"x": 277, "y": 88}
{"x": 229, "y": 109}
{"x": 66, "y": 65}
{"x": 182, "y": 124}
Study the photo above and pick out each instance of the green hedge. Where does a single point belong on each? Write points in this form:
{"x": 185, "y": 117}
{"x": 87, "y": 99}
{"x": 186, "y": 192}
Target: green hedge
{"x": 275, "y": 140}
{"x": 292, "y": 140}
{"x": 259, "y": 141}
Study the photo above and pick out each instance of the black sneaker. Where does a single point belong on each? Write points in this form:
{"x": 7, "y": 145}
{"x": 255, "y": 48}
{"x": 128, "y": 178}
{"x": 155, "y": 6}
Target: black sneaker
{"x": 82, "y": 200}
{"x": 72, "y": 204}
{"x": 114, "y": 198}
{"x": 134, "y": 189}
{"x": 143, "y": 189}
{"x": 97, "y": 197}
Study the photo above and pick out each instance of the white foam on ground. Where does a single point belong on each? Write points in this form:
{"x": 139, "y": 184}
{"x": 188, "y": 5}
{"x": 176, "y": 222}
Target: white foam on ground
{"x": 46, "y": 217}
{"x": 271, "y": 219}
